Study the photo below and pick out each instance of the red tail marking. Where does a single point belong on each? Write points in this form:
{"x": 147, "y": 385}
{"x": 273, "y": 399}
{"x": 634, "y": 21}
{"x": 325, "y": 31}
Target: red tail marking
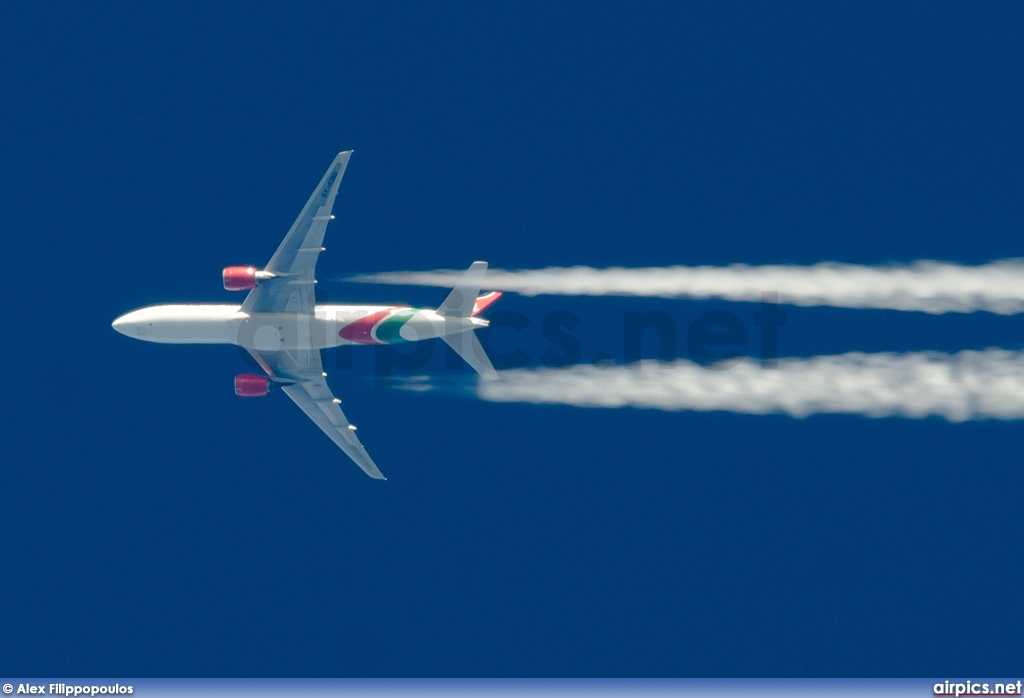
{"x": 482, "y": 302}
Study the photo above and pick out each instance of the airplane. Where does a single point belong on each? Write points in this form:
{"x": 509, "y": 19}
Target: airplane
{"x": 283, "y": 328}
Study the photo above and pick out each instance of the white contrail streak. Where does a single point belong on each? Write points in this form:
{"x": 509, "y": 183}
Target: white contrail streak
{"x": 985, "y": 384}
{"x": 928, "y": 286}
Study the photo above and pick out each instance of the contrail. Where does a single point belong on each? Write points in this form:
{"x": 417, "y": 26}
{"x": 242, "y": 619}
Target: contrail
{"x": 928, "y": 286}
{"x": 985, "y": 384}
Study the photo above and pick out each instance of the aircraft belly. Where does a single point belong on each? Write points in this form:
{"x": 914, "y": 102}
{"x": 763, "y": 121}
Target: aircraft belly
{"x": 268, "y": 332}
{"x": 189, "y": 332}
{"x": 182, "y": 324}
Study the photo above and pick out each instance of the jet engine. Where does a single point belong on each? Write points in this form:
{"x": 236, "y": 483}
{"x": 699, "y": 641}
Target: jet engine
{"x": 251, "y": 385}
{"x": 244, "y": 278}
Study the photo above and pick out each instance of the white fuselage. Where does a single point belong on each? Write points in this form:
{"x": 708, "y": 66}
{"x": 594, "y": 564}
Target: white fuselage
{"x": 329, "y": 326}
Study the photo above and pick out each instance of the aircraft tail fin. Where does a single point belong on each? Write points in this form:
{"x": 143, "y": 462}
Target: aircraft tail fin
{"x": 461, "y": 300}
{"x": 461, "y": 305}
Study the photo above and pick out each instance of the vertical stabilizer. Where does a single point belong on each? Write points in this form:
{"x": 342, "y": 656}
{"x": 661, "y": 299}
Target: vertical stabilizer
{"x": 459, "y": 302}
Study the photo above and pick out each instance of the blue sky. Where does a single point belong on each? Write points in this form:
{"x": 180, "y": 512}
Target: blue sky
{"x": 153, "y": 524}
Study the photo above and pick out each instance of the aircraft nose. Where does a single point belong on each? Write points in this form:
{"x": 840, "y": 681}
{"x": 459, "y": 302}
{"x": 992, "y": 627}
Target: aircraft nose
{"x": 124, "y": 325}
{"x": 120, "y": 324}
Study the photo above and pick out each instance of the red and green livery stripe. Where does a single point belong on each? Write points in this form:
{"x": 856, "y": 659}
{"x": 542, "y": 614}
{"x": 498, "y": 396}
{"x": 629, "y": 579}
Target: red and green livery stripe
{"x": 383, "y": 327}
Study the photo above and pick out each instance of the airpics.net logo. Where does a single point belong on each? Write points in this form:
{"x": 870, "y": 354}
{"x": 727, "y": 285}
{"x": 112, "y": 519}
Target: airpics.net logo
{"x": 976, "y": 688}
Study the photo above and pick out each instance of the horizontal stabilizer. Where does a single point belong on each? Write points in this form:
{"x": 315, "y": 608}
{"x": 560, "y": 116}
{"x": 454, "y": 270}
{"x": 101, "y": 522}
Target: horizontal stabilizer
{"x": 469, "y": 348}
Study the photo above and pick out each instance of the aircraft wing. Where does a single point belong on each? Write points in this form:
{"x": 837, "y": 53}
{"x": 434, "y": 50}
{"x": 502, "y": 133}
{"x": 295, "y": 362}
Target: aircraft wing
{"x": 291, "y": 291}
{"x": 305, "y": 383}
{"x": 294, "y": 263}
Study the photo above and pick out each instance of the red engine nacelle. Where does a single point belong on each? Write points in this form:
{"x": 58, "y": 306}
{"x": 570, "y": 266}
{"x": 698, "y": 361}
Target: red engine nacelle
{"x": 251, "y": 385}
{"x": 239, "y": 278}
